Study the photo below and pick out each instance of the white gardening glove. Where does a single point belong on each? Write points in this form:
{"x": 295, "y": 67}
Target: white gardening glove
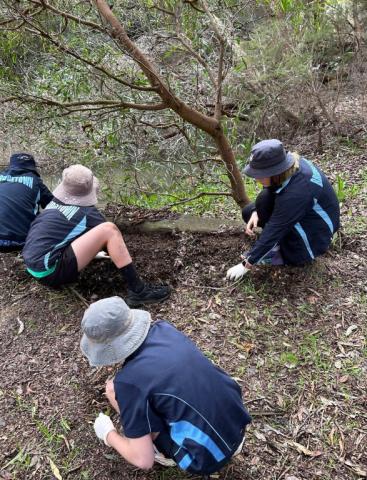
{"x": 236, "y": 272}
{"x": 103, "y": 426}
{"x": 102, "y": 255}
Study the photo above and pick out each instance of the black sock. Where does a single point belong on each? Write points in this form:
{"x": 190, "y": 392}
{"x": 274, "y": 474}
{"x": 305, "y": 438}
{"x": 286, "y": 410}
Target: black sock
{"x": 130, "y": 275}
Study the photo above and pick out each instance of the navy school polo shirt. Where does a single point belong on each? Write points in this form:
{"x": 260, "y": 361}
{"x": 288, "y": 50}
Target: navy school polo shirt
{"x": 22, "y": 192}
{"x": 304, "y": 219}
{"x": 168, "y": 385}
{"x": 53, "y": 231}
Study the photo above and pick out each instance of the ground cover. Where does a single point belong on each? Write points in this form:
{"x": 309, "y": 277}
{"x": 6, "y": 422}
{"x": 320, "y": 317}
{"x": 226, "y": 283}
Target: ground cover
{"x": 294, "y": 339}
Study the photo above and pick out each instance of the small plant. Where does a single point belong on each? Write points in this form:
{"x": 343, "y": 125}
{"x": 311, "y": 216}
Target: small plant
{"x": 289, "y": 359}
{"x": 343, "y": 190}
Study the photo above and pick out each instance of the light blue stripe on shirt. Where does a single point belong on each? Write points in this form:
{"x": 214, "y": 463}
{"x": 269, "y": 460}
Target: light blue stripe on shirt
{"x": 76, "y": 231}
{"x": 304, "y": 238}
{"x": 316, "y": 176}
{"x": 320, "y": 211}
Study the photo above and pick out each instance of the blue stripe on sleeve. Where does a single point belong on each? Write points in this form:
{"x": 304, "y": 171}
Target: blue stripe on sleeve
{"x": 320, "y": 211}
{"x": 304, "y": 238}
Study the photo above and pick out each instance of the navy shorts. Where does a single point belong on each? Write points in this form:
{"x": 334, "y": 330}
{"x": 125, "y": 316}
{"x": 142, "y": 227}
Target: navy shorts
{"x": 66, "y": 270}
{"x": 170, "y": 449}
{"x": 10, "y": 246}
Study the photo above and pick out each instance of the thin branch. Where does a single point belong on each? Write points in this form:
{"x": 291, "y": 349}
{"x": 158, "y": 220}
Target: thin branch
{"x": 161, "y": 9}
{"x": 185, "y": 41}
{"x": 186, "y": 112}
{"x": 201, "y": 194}
{"x": 99, "y": 104}
{"x": 222, "y": 43}
{"x": 63, "y": 48}
{"x": 193, "y": 4}
{"x": 76, "y": 19}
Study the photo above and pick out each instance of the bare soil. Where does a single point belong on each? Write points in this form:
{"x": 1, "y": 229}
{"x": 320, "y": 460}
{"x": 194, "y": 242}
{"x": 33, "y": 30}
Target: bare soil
{"x": 294, "y": 339}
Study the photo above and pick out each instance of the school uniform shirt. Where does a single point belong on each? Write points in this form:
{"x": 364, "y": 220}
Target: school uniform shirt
{"x": 53, "y": 231}
{"x": 22, "y": 192}
{"x": 168, "y": 385}
{"x": 304, "y": 220}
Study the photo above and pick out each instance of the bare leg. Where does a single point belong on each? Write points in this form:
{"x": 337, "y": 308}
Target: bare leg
{"x": 105, "y": 235}
{"x": 110, "y": 394}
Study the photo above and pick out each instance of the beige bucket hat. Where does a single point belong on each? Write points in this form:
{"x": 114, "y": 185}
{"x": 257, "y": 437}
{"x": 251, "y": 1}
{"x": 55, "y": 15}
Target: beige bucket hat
{"x": 78, "y": 187}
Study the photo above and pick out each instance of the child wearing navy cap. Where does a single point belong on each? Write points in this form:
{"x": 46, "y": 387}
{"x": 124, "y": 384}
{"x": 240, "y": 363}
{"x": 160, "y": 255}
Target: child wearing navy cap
{"x": 297, "y": 209}
{"x": 22, "y": 192}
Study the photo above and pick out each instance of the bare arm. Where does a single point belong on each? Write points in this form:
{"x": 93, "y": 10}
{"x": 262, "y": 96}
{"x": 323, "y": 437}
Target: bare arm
{"x": 138, "y": 451}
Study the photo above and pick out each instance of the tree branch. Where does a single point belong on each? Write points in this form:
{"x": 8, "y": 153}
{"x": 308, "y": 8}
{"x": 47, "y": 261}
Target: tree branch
{"x": 186, "y": 112}
{"x": 65, "y": 49}
{"x": 99, "y": 104}
{"x": 187, "y": 44}
{"x": 219, "y": 82}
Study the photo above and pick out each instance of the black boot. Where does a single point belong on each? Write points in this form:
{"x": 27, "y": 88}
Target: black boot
{"x": 149, "y": 294}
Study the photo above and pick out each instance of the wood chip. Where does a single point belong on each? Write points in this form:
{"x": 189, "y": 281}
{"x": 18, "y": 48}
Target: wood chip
{"x": 302, "y": 449}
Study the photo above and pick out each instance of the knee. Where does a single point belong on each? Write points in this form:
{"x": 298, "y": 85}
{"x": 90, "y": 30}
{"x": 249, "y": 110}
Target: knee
{"x": 110, "y": 228}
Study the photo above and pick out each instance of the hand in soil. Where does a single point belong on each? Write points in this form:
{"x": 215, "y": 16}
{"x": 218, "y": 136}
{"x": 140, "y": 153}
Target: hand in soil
{"x": 236, "y": 272}
{"x": 103, "y": 426}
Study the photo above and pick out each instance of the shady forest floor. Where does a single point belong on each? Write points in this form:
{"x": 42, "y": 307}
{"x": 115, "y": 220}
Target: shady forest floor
{"x": 293, "y": 338}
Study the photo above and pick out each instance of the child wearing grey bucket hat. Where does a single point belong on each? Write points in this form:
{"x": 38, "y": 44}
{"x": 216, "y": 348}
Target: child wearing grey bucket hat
{"x": 297, "y": 209}
{"x": 71, "y": 232}
{"x": 22, "y": 195}
{"x": 176, "y": 407}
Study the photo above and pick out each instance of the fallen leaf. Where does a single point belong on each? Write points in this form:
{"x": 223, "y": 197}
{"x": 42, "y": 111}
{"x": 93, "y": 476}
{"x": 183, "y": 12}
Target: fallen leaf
{"x": 218, "y": 300}
{"x": 350, "y": 329}
{"x": 55, "y": 470}
{"x": 344, "y": 379}
{"x": 260, "y": 436}
{"x": 21, "y": 326}
{"x": 302, "y": 449}
{"x": 338, "y": 364}
{"x": 245, "y": 346}
{"x": 331, "y": 436}
{"x": 356, "y": 468}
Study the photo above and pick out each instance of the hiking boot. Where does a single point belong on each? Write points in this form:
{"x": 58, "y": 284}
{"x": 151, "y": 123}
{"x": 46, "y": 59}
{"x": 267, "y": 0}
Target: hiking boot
{"x": 149, "y": 294}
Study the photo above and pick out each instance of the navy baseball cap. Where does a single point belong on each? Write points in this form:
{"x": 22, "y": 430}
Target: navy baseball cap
{"x": 268, "y": 158}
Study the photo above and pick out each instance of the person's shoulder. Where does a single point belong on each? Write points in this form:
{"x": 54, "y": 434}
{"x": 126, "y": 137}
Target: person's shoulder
{"x": 164, "y": 327}
{"x": 90, "y": 210}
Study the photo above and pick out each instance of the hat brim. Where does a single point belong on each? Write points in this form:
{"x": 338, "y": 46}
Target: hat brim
{"x": 121, "y": 347}
{"x": 271, "y": 171}
{"x": 81, "y": 200}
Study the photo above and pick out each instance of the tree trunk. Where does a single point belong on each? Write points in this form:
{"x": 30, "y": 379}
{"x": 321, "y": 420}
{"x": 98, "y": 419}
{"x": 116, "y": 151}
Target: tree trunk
{"x": 233, "y": 172}
{"x": 208, "y": 124}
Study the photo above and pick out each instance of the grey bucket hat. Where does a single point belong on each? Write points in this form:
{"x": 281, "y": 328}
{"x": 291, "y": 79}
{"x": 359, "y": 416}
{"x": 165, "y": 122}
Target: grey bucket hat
{"x": 268, "y": 158}
{"x": 78, "y": 187}
{"x": 112, "y": 331}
